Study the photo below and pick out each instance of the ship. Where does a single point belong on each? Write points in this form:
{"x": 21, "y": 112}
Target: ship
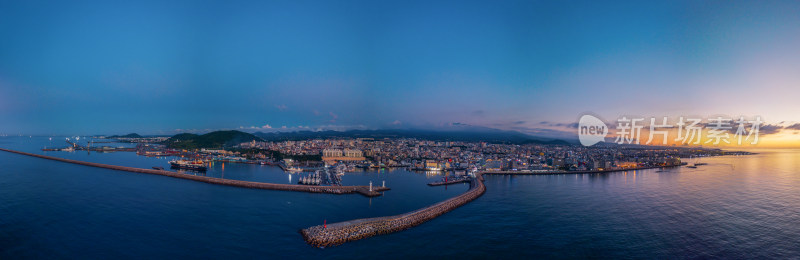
{"x": 294, "y": 169}
{"x": 340, "y": 169}
{"x": 196, "y": 165}
{"x": 312, "y": 179}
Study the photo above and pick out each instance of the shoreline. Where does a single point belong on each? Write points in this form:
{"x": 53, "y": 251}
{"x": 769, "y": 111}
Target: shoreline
{"x": 363, "y": 190}
{"x": 577, "y": 172}
{"x": 347, "y": 231}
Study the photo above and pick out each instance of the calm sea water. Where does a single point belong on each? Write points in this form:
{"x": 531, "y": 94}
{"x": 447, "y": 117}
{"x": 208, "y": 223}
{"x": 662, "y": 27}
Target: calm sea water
{"x": 735, "y": 207}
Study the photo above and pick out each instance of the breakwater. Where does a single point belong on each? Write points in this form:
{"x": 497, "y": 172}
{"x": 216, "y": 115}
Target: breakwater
{"x": 449, "y": 182}
{"x": 363, "y": 190}
{"x": 342, "y": 232}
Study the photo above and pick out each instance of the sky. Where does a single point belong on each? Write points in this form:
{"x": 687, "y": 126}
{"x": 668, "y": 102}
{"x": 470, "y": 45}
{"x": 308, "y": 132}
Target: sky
{"x": 162, "y": 67}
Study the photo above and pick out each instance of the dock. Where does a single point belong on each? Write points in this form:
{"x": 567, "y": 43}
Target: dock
{"x": 343, "y": 232}
{"x": 363, "y": 190}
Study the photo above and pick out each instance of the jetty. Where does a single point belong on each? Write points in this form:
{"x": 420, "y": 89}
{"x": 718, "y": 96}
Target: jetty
{"x": 342, "y": 232}
{"x": 368, "y": 191}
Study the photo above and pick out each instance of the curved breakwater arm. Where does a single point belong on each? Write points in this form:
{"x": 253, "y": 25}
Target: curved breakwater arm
{"x": 342, "y": 232}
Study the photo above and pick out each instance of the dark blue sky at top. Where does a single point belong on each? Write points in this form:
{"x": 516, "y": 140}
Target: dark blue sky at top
{"x": 93, "y": 67}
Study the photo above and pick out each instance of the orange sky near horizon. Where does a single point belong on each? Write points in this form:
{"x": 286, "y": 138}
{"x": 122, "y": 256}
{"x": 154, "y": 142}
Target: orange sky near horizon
{"x": 783, "y": 138}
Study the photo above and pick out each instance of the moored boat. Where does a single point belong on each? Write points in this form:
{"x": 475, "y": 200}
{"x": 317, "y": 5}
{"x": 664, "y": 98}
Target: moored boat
{"x": 196, "y": 165}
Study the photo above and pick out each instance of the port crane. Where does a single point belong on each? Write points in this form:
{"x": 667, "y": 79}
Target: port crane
{"x": 74, "y": 145}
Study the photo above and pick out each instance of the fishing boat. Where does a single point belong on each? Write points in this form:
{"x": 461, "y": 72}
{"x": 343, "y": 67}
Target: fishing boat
{"x": 196, "y": 165}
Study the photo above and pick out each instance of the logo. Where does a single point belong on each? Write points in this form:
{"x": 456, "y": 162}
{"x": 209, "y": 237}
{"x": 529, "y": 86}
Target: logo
{"x": 591, "y": 130}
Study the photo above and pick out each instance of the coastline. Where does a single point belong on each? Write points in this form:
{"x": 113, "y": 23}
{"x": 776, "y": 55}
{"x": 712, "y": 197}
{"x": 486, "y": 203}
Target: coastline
{"x": 363, "y": 190}
{"x": 576, "y": 172}
{"x": 342, "y": 232}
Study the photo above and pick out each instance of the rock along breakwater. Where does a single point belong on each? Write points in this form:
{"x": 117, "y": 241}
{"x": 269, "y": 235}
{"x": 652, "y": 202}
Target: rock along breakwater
{"x": 363, "y": 190}
{"x": 342, "y": 232}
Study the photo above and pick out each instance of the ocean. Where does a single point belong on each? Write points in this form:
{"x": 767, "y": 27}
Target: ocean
{"x": 734, "y": 207}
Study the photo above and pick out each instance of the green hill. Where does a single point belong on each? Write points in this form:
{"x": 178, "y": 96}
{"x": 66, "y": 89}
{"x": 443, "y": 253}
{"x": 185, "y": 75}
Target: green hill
{"x": 215, "y": 140}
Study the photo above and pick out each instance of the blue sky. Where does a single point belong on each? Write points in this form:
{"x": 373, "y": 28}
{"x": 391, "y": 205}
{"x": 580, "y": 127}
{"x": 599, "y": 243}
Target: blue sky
{"x": 103, "y": 67}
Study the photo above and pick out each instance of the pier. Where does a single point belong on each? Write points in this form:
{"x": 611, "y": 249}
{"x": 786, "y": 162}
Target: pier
{"x": 363, "y": 190}
{"x": 342, "y": 232}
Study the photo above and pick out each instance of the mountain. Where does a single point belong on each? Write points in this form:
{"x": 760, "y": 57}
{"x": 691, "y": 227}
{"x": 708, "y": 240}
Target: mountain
{"x": 131, "y": 135}
{"x": 471, "y": 134}
{"x": 216, "y": 139}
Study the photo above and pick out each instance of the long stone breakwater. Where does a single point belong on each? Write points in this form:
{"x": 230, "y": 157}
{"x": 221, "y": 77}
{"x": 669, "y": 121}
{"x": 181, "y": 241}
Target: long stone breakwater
{"x": 448, "y": 182}
{"x": 363, "y": 190}
{"x": 342, "y": 232}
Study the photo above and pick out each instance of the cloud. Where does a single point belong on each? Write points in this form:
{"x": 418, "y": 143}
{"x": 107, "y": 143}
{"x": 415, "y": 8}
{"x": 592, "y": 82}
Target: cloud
{"x": 316, "y": 112}
{"x": 793, "y": 127}
{"x": 764, "y": 129}
{"x": 339, "y": 127}
{"x": 769, "y": 129}
{"x": 545, "y": 132}
{"x": 261, "y": 128}
{"x": 269, "y": 129}
{"x": 519, "y": 122}
{"x": 559, "y": 125}
{"x": 193, "y": 131}
{"x": 281, "y": 107}
{"x": 478, "y": 113}
{"x": 396, "y": 122}
{"x": 333, "y": 116}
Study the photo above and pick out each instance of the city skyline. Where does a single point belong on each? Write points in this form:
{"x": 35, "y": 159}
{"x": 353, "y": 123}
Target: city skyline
{"x": 164, "y": 68}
